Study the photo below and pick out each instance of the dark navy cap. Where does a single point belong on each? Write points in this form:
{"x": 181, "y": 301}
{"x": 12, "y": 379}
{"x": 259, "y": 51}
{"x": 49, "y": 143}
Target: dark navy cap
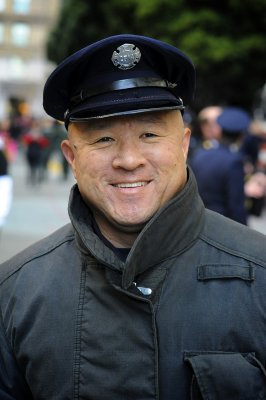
{"x": 234, "y": 120}
{"x": 119, "y": 75}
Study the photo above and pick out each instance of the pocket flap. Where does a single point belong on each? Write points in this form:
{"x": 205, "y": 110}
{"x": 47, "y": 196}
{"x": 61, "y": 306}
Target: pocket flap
{"x": 230, "y": 376}
{"x": 226, "y": 272}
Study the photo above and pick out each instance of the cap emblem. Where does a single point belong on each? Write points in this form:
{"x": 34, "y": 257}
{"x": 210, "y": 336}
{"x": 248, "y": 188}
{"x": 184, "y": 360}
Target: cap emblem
{"x": 126, "y": 56}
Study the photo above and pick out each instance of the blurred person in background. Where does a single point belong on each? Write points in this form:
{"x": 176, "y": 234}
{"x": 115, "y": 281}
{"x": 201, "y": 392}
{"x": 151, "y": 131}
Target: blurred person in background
{"x": 10, "y": 144}
{"x": 255, "y": 152}
{"x": 6, "y": 185}
{"x": 55, "y": 132}
{"x": 219, "y": 167}
{"x": 19, "y": 125}
{"x": 210, "y": 130}
{"x": 35, "y": 144}
{"x": 206, "y": 132}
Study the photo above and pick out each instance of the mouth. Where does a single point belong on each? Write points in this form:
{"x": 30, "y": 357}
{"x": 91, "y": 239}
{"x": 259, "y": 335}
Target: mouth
{"x": 130, "y": 184}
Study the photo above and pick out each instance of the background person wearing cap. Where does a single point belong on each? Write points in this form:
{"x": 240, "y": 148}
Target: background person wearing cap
{"x": 136, "y": 297}
{"x": 219, "y": 169}
{"x": 210, "y": 130}
{"x": 206, "y": 131}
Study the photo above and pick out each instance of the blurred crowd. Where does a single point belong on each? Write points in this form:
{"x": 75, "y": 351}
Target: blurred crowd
{"x": 37, "y": 141}
{"x": 227, "y": 155}
{"x": 228, "y": 158}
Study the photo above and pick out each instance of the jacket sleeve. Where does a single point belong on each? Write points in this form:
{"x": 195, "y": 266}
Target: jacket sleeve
{"x": 12, "y": 383}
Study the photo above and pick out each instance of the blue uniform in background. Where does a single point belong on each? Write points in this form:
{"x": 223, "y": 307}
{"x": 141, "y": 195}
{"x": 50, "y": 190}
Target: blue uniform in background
{"x": 219, "y": 173}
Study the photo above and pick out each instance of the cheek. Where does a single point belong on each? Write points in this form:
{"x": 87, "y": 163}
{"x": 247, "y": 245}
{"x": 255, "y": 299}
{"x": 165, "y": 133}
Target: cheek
{"x": 175, "y": 157}
{"x": 167, "y": 157}
{"x": 81, "y": 166}
{"x": 176, "y": 167}
{"x": 90, "y": 168}
{"x": 171, "y": 169}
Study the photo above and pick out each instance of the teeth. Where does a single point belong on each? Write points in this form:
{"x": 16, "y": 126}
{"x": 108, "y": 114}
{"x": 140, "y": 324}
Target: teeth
{"x": 130, "y": 185}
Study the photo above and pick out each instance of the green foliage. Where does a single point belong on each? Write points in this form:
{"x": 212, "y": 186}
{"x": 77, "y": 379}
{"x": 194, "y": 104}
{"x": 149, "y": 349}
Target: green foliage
{"x": 82, "y": 22}
{"x": 225, "y": 40}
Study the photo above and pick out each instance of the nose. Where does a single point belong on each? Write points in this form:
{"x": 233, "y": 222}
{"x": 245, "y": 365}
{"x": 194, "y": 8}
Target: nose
{"x": 129, "y": 155}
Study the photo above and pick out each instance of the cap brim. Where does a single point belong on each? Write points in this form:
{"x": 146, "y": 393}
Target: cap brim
{"x": 129, "y": 101}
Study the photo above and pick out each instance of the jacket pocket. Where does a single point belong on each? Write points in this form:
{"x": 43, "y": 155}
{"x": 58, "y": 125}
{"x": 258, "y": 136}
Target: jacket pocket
{"x": 226, "y": 376}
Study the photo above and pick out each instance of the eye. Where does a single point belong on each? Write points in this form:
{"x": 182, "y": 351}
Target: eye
{"x": 149, "y": 135}
{"x": 104, "y": 139}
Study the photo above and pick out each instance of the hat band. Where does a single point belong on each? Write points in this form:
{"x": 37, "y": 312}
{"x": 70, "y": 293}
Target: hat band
{"x": 121, "y": 113}
{"x": 121, "y": 85}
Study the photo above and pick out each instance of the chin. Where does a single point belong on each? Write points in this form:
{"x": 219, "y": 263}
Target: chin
{"x": 130, "y": 226}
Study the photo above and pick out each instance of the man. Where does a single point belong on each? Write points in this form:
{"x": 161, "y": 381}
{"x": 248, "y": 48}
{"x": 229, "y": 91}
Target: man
{"x": 210, "y": 130}
{"x": 145, "y": 295}
{"x": 219, "y": 168}
{"x": 206, "y": 130}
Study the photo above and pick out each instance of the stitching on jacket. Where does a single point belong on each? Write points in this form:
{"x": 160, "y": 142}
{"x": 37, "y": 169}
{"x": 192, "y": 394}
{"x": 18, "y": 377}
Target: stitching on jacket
{"x": 228, "y": 250}
{"x": 156, "y": 355}
{"x": 161, "y": 289}
{"x": 77, "y": 346}
{"x": 32, "y": 257}
{"x": 22, "y": 383}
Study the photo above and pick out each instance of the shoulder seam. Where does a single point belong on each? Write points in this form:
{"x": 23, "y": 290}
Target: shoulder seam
{"x": 35, "y": 256}
{"x": 242, "y": 254}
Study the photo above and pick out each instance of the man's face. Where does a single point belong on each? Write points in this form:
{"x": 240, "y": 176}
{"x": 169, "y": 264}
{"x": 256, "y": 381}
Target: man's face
{"x": 128, "y": 167}
{"x": 210, "y": 129}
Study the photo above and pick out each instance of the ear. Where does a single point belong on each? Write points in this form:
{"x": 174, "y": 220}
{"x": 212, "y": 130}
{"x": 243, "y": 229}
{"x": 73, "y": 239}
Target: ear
{"x": 186, "y": 141}
{"x": 69, "y": 155}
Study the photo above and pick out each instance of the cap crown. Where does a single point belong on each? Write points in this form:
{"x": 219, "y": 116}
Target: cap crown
{"x": 122, "y": 72}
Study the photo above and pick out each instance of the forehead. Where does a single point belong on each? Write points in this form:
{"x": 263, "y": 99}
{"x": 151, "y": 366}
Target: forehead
{"x": 152, "y": 118}
{"x": 209, "y": 113}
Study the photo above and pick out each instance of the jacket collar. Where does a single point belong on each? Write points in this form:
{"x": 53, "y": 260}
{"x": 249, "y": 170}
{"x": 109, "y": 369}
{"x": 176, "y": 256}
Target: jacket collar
{"x": 171, "y": 231}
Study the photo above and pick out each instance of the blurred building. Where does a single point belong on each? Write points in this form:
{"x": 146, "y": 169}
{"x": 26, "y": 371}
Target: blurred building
{"x": 24, "y": 27}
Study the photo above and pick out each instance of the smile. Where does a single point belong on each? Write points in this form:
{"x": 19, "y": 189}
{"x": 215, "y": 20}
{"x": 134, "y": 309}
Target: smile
{"x": 131, "y": 185}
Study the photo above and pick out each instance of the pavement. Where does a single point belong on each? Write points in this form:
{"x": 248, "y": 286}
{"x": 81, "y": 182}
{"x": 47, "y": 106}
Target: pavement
{"x": 37, "y": 211}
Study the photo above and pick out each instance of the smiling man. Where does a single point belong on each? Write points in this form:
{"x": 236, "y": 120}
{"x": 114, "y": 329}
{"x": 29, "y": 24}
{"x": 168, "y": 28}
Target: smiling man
{"x": 145, "y": 295}
{"x": 127, "y": 168}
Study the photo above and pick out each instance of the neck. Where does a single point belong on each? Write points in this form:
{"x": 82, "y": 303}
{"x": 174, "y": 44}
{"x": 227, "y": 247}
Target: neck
{"x": 117, "y": 237}
{"x": 124, "y": 242}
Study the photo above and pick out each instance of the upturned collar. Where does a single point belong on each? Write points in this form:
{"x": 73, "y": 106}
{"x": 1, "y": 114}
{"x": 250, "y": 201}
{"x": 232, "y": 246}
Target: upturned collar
{"x": 171, "y": 231}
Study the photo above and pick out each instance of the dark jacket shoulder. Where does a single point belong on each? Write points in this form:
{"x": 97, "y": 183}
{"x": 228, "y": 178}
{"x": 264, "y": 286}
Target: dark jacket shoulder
{"x": 234, "y": 238}
{"x": 36, "y": 250}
